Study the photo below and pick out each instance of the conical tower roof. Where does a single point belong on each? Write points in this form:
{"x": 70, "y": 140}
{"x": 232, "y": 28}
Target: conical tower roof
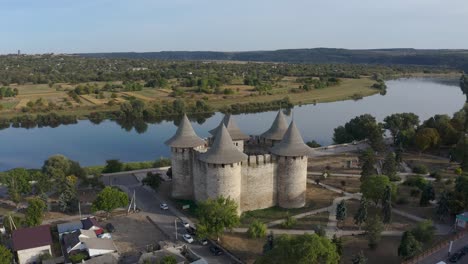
{"x": 223, "y": 150}
{"x": 232, "y": 128}
{"x": 185, "y": 136}
{"x": 292, "y": 144}
{"x": 277, "y": 129}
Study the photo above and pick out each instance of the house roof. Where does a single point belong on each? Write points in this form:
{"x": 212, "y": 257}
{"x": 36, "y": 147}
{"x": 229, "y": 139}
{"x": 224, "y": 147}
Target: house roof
{"x": 70, "y": 240}
{"x": 232, "y": 128}
{"x": 90, "y": 222}
{"x": 223, "y": 150}
{"x": 32, "y": 237}
{"x": 99, "y": 243}
{"x": 292, "y": 144}
{"x": 103, "y": 259}
{"x": 277, "y": 129}
{"x": 69, "y": 227}
{"x": 463, "y": 216}
{"x": 185, "y": 136}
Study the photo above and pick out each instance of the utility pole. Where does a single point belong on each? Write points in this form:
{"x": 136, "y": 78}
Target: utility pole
{"x": 79, "y": 208}
{"x": 175, "y": 226}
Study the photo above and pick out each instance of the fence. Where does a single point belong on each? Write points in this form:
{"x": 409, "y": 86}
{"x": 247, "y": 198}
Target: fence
{"x": 439, "y": 246}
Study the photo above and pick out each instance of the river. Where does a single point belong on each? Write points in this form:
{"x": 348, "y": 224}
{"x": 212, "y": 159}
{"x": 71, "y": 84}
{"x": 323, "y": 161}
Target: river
{"x": 92, "y": 144}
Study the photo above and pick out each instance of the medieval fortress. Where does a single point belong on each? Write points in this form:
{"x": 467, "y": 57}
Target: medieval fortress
{"x": 256, "y": 172}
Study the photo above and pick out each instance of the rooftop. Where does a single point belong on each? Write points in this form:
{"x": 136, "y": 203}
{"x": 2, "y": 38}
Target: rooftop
{"x": 32, "y": 237}
{"x": 223, "y": 150}
{"x": 69, "y": 227}
{"x": 90, "y": 222}
{"x": 232, "y": 128}
{"x": 185, "y": 136}
{"x": 99, "y": 243}
{"x": 277, "y": 129}
{"x": 292, "y": 144}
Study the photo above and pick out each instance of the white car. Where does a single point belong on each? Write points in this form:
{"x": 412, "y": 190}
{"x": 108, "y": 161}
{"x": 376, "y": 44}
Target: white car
{"x": 163, "y": 206}
{"x": 188, "y": 238}
{"x": 186, "y": 225}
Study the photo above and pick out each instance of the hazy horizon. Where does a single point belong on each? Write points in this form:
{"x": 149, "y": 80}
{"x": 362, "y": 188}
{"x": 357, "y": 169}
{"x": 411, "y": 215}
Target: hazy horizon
{"x": 66, "y": 26}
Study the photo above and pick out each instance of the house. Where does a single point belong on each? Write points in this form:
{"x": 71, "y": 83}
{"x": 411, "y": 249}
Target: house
{"x": 30, "y": 243}
{"x": 72, "y": 241}
{"x": 91, "y": 223}
{"x": 461, "y": 220}
{"x": 69, "y": 227}
{"x": 104, "y": 259}
{"x": 98, "y": 246}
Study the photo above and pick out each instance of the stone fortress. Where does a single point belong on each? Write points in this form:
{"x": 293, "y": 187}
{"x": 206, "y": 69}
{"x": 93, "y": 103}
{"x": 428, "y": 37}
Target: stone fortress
{"x": 229, "y": 164}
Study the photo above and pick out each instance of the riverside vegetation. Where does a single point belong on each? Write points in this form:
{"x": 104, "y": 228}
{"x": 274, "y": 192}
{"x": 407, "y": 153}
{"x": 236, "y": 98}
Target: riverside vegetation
{"x": 49, "y": 90}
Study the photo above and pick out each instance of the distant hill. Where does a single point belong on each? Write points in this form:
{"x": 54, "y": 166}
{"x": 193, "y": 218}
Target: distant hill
{"x": 446, "y": 58}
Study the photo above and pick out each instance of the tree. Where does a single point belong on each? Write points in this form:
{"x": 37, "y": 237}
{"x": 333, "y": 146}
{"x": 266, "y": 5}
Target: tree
{"x": 301, "y": 249}
{"x": 338, "y": 242}
{"x": 426, "y": 138}
{"x": 359, "y": 258}
{"x": 257, "y": 229}
{"x": 374, "y": 228}
{"x": 387, "y": 205}
{"x": 216, "y": 215}
{"x": 373, "y": 187}
{"x": 464, "y": 85}
{"x": 341, "y": 211}
{"x": 34, "y": 212}
{"x": 109, "y": 199}
{"x": 17, "y": 182}
{"x": 359, "y": 128}
{"x": 152, "y": 180}
{"x": 427, "y": 195}
{"x": 400, "y": 122}
{"x": 361, "y": 214}
{"x": 367, "y": 160}
{"x": 68, "y": 201}
{"x": 57, "y": 167}
{"x": 409, "y": 246}
{"x": 389, "y": 166}
{"x": 113, "y": 165}
{"x": 6, "y": 257}
{"x": 443, "y": 208}
{"x": 424, "y": 231}
{"x": 461, "y": 185}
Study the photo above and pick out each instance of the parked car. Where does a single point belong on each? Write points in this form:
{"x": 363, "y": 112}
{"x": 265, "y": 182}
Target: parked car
{"x": 192, "y": 231}
{"x": 186, "y": 225}
{"x": 188, "y": 238}
{"x": 110, "y": 228}
{"x": 456, "y": 257}
{"x": 204, "y": 242}
{"x": 163, "y": 206}
{"x": 216, "y": 250}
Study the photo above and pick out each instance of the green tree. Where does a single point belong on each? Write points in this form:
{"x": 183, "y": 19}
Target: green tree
{"x": 338, "y": 242}
{"x": 461, "y": 185}
{"x": 152, "y": 180}
{"x": 427, "y": 195}
{"x": 34, "y": 212}
{"x": 216, "y": 215}
{"x": 301, "y": 249}
{"x": 409, "y": 246}
{"x": 109, "y": 199}
{"x": 387, "y": 205}
{"x": 397, "y": 123}
{"x": 426, "y": 138}
{"x": 389, "y": 166}
{"x": 359, "y": 258}
{"x": 361, "y": 214}
{"x": 424, "y": 231}
{"x": 257, "y": 229}
{"x": 341, "y": 211}
{"x": 464, "y": 85}
{"x": 112, "y": 166}
{"x": 17, "y": 182}
{"x": 367, "y": 160}
{"x": 6, "y": 257}
{"x": 57, "y": 168}
{"x": 443, "y": 208}
{"x": 168, "y": 260}
{"x": 374, "y": 228}
{"x": 373, "y": 187}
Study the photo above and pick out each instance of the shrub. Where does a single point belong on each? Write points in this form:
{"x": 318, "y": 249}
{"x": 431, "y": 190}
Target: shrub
{"x": 402, "y": 200}
{"x": 395, "y": 178}
{"x": 77, "y": 258}
{"x": 420, "y": 169}
{"x": 416, "y": 181}
{"x": 290, "y": 222}
{"x": 257, "y": 229}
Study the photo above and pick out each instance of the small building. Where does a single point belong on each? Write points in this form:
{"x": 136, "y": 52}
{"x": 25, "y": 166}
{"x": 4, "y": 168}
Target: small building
{"x": 69, "y": 227}
{"x": 90, "y": 223}
{"x": 98, "y": 246}
{"x": 72, "y": 242}
{"x": 30, "y": 243}
{"x": 461, "y": 220}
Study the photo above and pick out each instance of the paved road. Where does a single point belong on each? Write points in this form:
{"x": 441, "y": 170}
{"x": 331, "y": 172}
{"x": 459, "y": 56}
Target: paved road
{"x": 442, "y": 254}
{"x": 148, "y": 201}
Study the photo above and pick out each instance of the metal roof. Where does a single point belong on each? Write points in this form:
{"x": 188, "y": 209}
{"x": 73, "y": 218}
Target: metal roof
{"x": 292, "y": 144}
{"x": 277, "y": 129}
{"x": 223, "y": 150}
{"x": 232, "y": 128}
{"x": 185, "y": 136}
{"x": 31, "y": 237}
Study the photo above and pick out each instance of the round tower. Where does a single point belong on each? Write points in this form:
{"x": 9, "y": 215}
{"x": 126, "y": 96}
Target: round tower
{"x": 183, "y": 145}
{"x": 291, "y": 154}
{"x": 223, "y": 162}
{"x": 238, "y": 137}
{"x": 276, "y": 132}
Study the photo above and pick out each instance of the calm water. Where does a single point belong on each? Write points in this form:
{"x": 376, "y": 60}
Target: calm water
{"x": 93, "y": 144}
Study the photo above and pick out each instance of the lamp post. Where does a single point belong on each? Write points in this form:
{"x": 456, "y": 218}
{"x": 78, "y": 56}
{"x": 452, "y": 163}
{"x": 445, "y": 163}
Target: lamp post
{"x": 175, "y": 226}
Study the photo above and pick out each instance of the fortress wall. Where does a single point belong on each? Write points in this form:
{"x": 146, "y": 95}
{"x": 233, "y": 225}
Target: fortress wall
{"x": 292, "y": 181}
{"x": 223, "y": 180}
{"x": 199, "y": 178}
{"x": 258, "y": 183}
{"x": 182, "y": 181}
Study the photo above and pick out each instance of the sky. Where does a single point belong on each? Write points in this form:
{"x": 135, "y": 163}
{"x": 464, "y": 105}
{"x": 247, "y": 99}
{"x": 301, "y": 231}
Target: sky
{"x": 77, "y": 26}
